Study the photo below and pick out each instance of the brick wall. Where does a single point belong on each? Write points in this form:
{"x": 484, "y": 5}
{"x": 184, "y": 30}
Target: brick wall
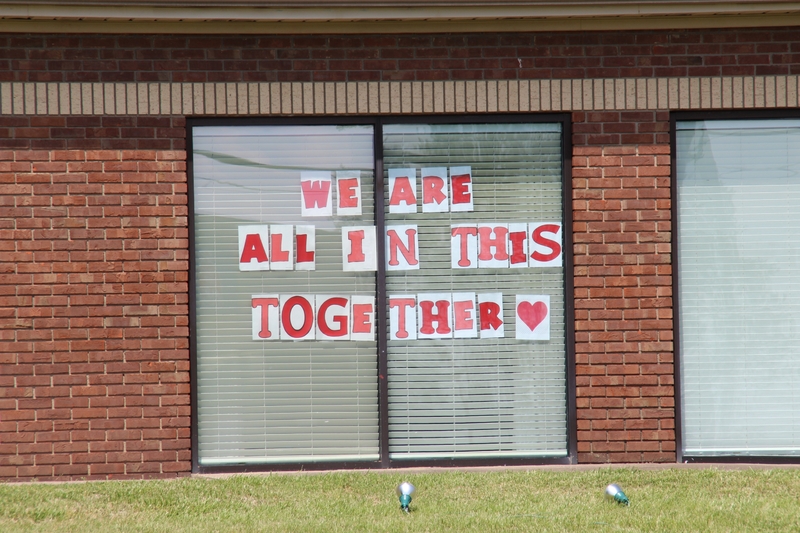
{"x": 93, "y": 274}
{"x": 94, "y": 380}
{"x": 177, "y": 58}
{"x": 92, "y": 133}
{"x": 623, "y": 287}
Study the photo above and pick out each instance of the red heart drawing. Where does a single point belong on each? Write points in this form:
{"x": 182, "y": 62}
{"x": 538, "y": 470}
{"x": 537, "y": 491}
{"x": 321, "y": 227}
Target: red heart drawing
{"x": 532, "y": 313}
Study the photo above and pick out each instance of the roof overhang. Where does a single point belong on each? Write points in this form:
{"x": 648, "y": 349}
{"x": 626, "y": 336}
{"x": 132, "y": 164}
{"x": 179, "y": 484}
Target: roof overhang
{"x": 371, "y": 16}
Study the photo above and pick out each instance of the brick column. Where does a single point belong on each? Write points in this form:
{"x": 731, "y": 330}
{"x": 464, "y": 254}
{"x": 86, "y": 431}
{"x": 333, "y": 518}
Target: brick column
{"x": 94, "y": 348}
{"x": 623, "y": 288}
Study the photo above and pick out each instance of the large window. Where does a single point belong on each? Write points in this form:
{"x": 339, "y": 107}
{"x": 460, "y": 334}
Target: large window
{"x": 419, "y": 315}
{"x": 481, "y": 393}
{"x": 738, "y": 187}
{"x": 265, "y": 392}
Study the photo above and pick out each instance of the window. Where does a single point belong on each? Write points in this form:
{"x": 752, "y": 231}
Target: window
{"x": 264, "y": 396}
{"x": 484, "y": 393}
{"x": 305, "y": 288}
{"x": 738, "y": 243}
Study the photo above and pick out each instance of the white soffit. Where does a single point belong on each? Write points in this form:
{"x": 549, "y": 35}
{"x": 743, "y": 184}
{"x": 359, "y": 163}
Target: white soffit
{"x": 369, "y": 16}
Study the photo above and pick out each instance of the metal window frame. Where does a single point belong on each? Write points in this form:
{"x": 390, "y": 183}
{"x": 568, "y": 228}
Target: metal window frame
{"x": 564, "y": 119}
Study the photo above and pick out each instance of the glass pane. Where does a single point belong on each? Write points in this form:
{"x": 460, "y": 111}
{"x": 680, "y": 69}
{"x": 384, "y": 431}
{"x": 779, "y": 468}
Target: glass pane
{"x": 263, "y": 395}
{"x": 739, "y": 252}
{"x": 460, "y": 385}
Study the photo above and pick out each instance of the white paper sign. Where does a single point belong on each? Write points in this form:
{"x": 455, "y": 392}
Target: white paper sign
{"x": 490, "y": 311}
{"x": 533, "y": 317}
{"x": 402, "y": 190}
{"x": 253, "y": 245}
{"x": 435, "y": 190}
{"x": 461, "y": 189}
{"x": 518, "y": 245}
{"x": 315, "y": 194}
{"x": 362, "y": 318}
{"x": 493, "y": 245}
{"x": 306, "y": 249}
{"x": 333, "y": 318}
{"x": 402, "y": 247}
{"x": 359, "y": 249}
{"x": 435, "y": 315}
{"x": 463, "y": 246}
{"x": 281, "y": 238}
{"x": 297, "y": 317}
{"x": 465, "y": 317}
{"x": 545, "y": 244}
{"x": 403, "y": 317}
{"x": 348, "y": 192}
{"x": 266, "y": 317}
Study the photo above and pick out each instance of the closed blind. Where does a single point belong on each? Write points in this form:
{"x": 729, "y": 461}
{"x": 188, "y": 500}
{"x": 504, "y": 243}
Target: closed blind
{"x": 491, "y": 397}
{"x": 739, "y": 259}
{"x": 277, "y": 400}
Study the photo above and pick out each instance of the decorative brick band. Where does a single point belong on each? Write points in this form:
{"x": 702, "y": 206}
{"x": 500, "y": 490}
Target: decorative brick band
{"x": 340, "y": 98}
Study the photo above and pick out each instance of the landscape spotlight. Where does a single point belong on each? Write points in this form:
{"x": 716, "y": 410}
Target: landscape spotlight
{"x": 614, "y": 492}
{"x": 404, "y": 492}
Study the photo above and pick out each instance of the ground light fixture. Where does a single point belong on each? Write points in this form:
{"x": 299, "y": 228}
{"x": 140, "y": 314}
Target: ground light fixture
{"x": 404, "y": 492}
{"x": 614, "y": 492}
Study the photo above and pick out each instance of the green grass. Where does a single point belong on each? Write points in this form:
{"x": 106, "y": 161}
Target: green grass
{"x": 505, "y": 501}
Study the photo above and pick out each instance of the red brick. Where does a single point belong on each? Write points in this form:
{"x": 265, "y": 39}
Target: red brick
{"x": 35, "y": 471}
{"x": 106, "y": 469}
{"x": 71, "y": 471}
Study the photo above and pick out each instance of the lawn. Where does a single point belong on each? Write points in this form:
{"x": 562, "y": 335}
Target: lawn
{"x": 502, "y": 501}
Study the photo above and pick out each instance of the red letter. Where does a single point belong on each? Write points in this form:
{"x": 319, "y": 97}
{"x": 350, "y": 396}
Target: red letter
{"x": 341, "y": 319}
{"x": 278, "y": 254}
{"x": 308, "y": 317}
{"x": 402, "y": 192}
{"x": 347, "y": 192}
{"x": 432, "y": 190}
{"x": 463, "y": 232}
{"x": 441, "y": 317}
{"x": 315, "y": 193}
{"x": 486, "y": 243}
{"x": 463, "y": 314}
{"x": 265, "y": 304}
{"x": 361, "y": 318}
{"x": 253, "y": 248}
{"x": 356, "y": 249}
{"x": 517, "y": 239}
{"x": 553, "y": 245}
{"x": 490, "y": 315}
{"x": 401, "y": 304}
{"x": 409, "y": 252}
{"x": 460, "y": 185}
{"x": 303, "y": 254}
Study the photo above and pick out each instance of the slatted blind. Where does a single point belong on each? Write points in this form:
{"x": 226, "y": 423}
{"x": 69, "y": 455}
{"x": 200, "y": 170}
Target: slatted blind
{"x": 469, "y": 398}
{"x": 739, "y": 265}
{"x": 277, "y": 401}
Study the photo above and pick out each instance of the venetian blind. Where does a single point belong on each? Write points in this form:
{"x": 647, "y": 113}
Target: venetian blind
{"x": 738, "y": 264}
{"x": 465, "y": 398}
{"x": 275, "y": 400}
